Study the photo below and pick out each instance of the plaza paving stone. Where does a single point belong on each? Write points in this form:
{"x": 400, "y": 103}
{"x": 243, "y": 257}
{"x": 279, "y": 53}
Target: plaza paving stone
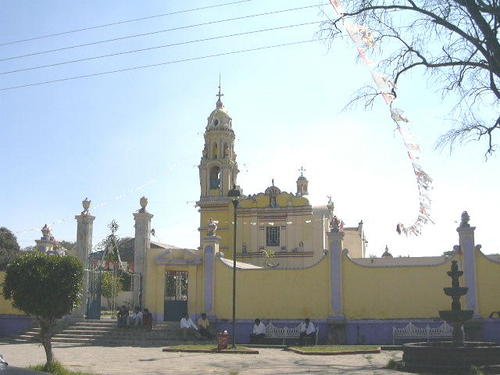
{"x": 133, "y": 360}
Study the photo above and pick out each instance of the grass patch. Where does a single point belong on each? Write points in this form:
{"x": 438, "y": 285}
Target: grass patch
{"x": 57, "y": 369}
{"x": 394, "y": 365}
{"x": 209, "y": 348}
{"x": 335, "y": 349}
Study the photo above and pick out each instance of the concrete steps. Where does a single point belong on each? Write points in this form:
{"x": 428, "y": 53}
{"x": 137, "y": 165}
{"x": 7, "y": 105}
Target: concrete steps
{"x": 106, "y": 333}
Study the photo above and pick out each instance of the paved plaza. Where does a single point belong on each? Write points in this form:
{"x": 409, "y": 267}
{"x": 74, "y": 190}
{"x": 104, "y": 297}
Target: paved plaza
{"x": 133, "y": 360}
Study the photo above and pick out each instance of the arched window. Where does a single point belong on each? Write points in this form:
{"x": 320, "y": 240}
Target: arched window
{"x": 215, "y": 177}
{"x": 214, "y": 151}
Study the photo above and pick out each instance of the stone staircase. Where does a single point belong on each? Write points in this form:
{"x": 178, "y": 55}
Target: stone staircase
{"x": 106, "y": 333}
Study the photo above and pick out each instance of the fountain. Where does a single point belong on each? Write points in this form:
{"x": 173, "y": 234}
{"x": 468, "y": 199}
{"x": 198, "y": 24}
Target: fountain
{"x": 456, "y": 355}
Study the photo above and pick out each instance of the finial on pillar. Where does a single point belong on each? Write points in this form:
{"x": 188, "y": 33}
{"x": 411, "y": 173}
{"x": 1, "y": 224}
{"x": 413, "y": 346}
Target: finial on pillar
{"x": 143, "y": 202}
{"x": 465, "y": 218}
{"x": 219, "y": 104}
{"x": 86, "y": 206}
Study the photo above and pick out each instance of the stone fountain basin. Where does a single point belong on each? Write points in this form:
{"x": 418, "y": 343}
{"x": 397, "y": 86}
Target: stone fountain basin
{"x": 456, "y": 316}
{"x": 456, "y": 291}
{"x": 443, "y": 355}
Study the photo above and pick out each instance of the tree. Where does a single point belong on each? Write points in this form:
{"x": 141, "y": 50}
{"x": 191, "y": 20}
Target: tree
{"x": 111, "y": 286}
{"x": 45, "y": 287}
{"x": 9, "y": 248}
{"x": 453, "y": 40}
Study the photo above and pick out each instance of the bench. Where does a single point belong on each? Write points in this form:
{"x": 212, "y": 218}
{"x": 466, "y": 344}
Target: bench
{"x": 412, "y": 332}
{"x": 282, "y": 334}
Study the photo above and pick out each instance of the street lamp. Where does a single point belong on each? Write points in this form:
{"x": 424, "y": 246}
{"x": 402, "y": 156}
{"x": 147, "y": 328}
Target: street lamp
{"x": 234, "y": 194}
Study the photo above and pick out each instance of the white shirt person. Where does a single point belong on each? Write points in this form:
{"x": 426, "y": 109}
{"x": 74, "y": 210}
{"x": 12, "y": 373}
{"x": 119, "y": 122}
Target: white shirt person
{"x": 187, "y": 325}
{"x": 259, "y": 330}
{"x": 307, "y": 329}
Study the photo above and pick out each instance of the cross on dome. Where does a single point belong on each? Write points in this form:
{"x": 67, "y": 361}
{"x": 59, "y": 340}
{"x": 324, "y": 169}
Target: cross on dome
{"x": 219, "y": 104}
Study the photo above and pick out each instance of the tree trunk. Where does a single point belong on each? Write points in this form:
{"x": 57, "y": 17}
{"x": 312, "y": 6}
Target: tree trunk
{"x": 47, "y": 345}
{"x": 46, "y": 332}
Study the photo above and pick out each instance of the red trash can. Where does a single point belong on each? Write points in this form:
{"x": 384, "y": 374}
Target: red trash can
{"x": 222, "y": 340}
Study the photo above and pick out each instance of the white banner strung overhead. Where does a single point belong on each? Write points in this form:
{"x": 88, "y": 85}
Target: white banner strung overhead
{"x": 363, "y": 38}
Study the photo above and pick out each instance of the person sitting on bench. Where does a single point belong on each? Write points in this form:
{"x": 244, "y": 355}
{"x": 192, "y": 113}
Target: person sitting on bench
{"x": 258, "y": 331}
{"x": 307, "y": 329}
{"x": 203, "y": 325}
{"x": 187, "y": 325}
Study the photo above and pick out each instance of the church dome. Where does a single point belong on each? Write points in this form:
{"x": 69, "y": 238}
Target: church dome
{"x": 219, "y": 119}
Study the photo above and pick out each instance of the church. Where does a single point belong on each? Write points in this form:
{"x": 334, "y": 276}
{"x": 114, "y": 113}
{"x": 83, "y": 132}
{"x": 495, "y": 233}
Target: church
{"x": 293, "y": 261}
{"x": 273, "y": 223}
{"x": 296, "y": 261}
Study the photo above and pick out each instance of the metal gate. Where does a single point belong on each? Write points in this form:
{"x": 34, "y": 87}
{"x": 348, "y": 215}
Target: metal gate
{"x": 176, "y": 295}
{"x": 94, "y": 294}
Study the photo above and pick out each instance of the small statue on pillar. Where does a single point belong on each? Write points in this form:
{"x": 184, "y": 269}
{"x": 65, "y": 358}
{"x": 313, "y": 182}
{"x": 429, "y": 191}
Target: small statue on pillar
{"x": 336, "y": 225}
{"x": 212, "y": 227}
{"x": 464, "y": 223}
{"x": 86, "y": 206}
{"x": 143, "y": 202}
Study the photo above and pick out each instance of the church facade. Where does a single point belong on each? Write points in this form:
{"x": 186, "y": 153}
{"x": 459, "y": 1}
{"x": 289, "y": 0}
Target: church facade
{"x": 293, "y": 261}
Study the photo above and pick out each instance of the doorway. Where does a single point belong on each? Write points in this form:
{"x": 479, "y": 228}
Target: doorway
{"x": 176, "y": 295}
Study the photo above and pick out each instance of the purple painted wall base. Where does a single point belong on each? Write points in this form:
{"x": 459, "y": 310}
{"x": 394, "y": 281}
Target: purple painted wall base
{"x": 244, "y": 328}
{"x": 12, "y": 325}
{"x": 359, "y": 332}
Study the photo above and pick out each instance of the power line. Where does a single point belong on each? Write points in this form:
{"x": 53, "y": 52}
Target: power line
{"x": 162, "y": 31}
{"x": 161, "y": 64}
{"x": 160, "y": 46}
{"x": 122, "y": 22}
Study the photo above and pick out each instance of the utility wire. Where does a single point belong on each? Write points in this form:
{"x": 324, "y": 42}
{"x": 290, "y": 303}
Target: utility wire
{"x": 163, "y": 31}
{"x": 161, "y": 64}
{"x": 122, "y": 22}
{"x": 160, "y": 46}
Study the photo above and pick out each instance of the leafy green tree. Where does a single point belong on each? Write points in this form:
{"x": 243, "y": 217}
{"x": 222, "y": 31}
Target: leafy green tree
{"x": 9, "y": 248}
{"x": 45, "y": 287}
{"x": 111, "y": 286}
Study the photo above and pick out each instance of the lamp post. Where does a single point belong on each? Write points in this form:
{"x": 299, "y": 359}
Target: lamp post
{"x": 234, "y": 193}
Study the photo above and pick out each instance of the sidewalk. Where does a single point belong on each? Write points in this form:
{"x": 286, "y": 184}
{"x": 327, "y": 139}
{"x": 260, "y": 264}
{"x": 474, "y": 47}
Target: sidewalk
{"x": 128, "y": 360}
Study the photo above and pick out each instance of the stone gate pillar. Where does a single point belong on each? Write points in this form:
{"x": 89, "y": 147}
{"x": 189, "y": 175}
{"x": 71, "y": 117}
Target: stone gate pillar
{"x": 210, "y": 246}
{"x": 84, "y": 227}
{"x": 142, "y": 244}
{"x": 466, "y": 242}
{"x": 336, "y": 322}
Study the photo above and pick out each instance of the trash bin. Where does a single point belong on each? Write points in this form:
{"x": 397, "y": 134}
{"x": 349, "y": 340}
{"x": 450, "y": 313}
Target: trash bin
{"x": 222, "y": 340}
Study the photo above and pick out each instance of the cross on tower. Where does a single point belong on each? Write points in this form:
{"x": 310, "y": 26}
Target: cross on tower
{"x": 219, "y": 95}
{"x": 302, "y": 170}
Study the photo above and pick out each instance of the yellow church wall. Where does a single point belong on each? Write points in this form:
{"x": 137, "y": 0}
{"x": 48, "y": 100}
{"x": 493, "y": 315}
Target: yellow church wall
{"x": 274, "y": 294}
{"x": 6, "y": 307}
{"x": 488, "y": 284}
{"x": 394, "y": 292}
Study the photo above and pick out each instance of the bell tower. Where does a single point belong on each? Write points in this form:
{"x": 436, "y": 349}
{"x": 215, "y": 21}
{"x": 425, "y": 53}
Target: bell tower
{"x": 218, "y": 167}
{"x": 218, "y": 172}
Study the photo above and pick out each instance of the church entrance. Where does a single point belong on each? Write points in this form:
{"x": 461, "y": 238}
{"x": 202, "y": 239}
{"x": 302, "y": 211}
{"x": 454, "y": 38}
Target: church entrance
{"x": 176, "y": 295}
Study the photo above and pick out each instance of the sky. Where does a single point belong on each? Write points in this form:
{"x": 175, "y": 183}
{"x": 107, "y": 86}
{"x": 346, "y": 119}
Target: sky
{"x": 116, "y": 137}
